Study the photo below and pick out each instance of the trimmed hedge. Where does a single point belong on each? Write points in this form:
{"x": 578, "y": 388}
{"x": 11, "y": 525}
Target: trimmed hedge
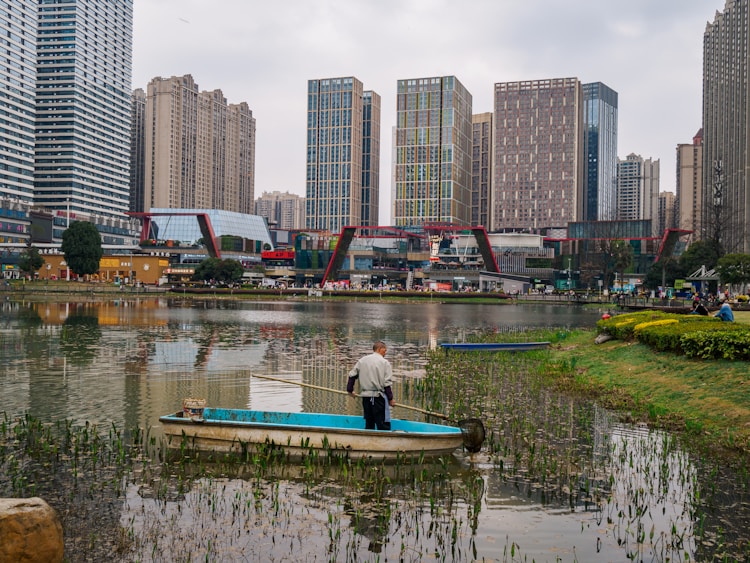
{"x": 694, "y": 336}
{"x": 623, "y": 326}
{"x": 727, "y": 344}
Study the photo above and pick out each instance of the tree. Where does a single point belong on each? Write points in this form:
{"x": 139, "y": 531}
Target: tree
{"x": 30, "y": 260}
{"x": 734, "y": 269}
{"x": 621, "y": 257}
{"x": 663, "y": 273}
{"x": 82, "y": 247}
{"x": 700, "y": 253}
{"x": 221, "y": 271}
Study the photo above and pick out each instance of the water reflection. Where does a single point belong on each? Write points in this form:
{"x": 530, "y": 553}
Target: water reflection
{"x": 626, "y": 493}
{"x": 80, "y": 336}
{"x": 131, "y": 360}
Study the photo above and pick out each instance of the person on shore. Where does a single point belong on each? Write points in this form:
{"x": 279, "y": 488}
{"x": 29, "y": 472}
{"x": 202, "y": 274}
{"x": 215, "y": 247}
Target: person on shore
{"x": 725, "y": 313}
{"x": 375, "y": 379}
{"x": 699, "y": 309}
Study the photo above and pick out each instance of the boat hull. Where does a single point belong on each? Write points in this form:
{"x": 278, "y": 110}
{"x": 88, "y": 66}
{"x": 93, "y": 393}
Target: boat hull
{"x": 300, "y": 434}
{"x": 494, "y": 346}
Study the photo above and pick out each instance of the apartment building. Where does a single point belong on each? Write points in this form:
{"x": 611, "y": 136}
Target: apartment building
{"x": 481, "y": 169}
{"x": 689, "y": 185}
{"x": 725, "y": 203}
{"x": 199, "y": 149}
{"x": 285, "y": 211}
{"x": 539, "y": 154}
{"x": 638, "y": 190}
{"x": 83, "y": 109}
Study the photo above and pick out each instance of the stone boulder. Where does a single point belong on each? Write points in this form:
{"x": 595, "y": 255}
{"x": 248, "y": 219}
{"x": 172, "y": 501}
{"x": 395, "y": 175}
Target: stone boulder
{"x": 30, "y": 532}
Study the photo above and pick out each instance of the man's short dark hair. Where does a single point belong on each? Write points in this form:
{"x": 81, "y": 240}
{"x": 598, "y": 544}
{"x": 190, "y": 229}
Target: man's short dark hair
{"x": 378, "y": 345}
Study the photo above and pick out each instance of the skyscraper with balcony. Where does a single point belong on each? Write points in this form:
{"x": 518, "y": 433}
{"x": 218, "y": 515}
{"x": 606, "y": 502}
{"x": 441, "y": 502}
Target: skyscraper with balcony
{"x": 284, "y": 211}
{"x": 600, "y": 149}
{"x": 18, "y": 26}
{"x": 137, "y": 150}
{"x": 370, "y": 158}
{"x": 666, "y": 213}
{"x": 200, "y": 150}
{"x": 433, "y": 148}
{"x": 689, "y": 184}
{"x": 481, "y": 169}
{"x": 343, "y": 141}
{"x": 726, "y": 197}
{"x": 83, "y": 90}
{"x": 638, "y": 190}
{"x": 539, "y": 148}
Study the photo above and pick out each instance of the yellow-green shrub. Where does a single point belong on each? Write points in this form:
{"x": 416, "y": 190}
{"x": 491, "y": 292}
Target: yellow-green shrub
{"x": 693, "y": 335}
{"x": 731, "y": 343}
{"x": 622, "y": 326}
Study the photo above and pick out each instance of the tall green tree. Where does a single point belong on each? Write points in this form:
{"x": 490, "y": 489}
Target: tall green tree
{"x": 664, "y": 273}
{"x": 734, "y": 269}
{"x": 700, "y": 253}
{"x": 30, "y": 260}
{"x": 82, "y": 247}
{"x": 221, "y": 271}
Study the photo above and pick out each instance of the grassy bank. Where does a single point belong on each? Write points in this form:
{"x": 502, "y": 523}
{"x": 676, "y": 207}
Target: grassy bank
{"x": 709, "y": 401}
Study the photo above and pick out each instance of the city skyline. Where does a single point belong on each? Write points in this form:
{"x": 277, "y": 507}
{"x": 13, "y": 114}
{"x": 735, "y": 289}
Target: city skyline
{"x": 650, "y": 54}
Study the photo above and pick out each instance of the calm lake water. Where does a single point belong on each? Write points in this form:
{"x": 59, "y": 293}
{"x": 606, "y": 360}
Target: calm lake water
{"x": 131, "y": 361}
{"x": 128, "y": 361}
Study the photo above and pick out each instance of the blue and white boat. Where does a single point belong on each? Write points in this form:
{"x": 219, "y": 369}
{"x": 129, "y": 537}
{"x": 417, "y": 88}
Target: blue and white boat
{"x": 235, "y": 430}
{"x": 494, "y": 346}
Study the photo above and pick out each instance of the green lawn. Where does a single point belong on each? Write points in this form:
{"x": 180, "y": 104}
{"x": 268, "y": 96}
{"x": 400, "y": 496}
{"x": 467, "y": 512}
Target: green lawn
{"x": 709, "y": 400}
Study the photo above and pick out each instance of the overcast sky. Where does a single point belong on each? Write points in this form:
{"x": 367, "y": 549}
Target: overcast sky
{"x": 263, "y": 53}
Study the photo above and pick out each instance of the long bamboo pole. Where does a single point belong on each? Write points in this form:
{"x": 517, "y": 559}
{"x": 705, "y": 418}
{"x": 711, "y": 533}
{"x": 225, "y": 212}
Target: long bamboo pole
{"x": 311, "y": 386}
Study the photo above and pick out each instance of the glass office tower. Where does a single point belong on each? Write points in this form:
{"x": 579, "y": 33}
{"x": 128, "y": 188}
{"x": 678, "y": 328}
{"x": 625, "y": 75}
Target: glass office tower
{"x": 432, "y": 152}
{"x": 600, "y": 148}
{"x": 343, "y": 148}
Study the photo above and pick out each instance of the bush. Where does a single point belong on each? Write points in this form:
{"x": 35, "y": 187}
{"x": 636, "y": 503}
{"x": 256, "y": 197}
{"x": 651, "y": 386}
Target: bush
{"x": 695, "y": 336}
{"x": 669, "y": 337}
{"x": 623, "y": 326}
{"x": 731, "y": 343}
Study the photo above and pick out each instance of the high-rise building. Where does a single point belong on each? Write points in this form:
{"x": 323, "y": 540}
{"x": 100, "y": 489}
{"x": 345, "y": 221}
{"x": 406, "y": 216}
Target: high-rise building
{"x": 370, "y": 158}
{"x": 726, "y": 196}
{"x": 432, "y": 166}
{"x": 281, "y": 210}
{"x": 481, "y": 169}
{"x": 638, "y": 190}
{"x": 667, "y": 217}
{"x": 137, "y": 150}
{"x": 82, "y": 155}
{"x": 18, "y": 24}
{"x": 200, "y": 150}
{"x": 689, "y": 184}
{"x": 343, "y": 141}
{"x": 539, "y": 154}
{"x": 600, "y": 149}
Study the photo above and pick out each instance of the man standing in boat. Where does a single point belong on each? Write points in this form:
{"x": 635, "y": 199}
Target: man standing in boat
{"x": 375, "y": 378}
